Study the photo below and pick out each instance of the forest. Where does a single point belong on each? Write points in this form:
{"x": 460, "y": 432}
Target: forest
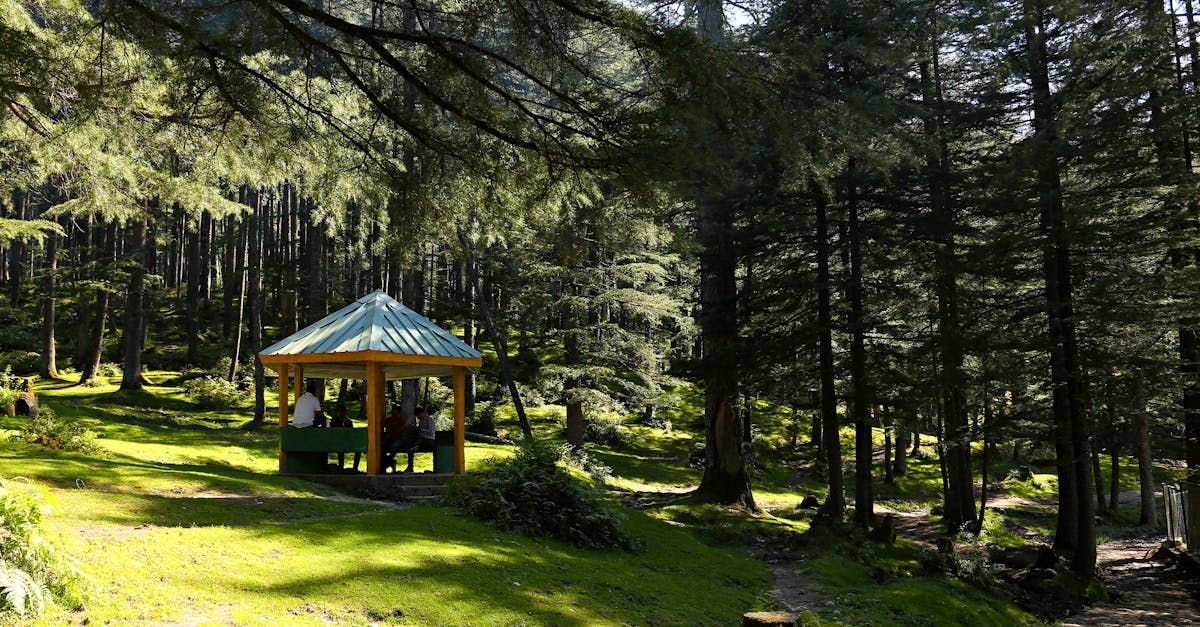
{"x": 783, "y": 272}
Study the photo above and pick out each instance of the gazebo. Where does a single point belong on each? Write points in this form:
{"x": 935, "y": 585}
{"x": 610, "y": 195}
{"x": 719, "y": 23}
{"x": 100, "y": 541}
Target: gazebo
{"x": 375, "y": 339}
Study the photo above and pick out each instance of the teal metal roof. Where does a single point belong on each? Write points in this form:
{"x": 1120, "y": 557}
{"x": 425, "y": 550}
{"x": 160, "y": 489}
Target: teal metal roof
{"x": 375, "y": 322}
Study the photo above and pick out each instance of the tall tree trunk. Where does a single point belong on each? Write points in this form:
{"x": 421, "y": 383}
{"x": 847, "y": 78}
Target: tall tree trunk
{"x": 16, "y": 268}
{"x": 726, "y": 478}
{"x": 95, "y": 340}
{"x": 192, "y": 307}
{"x": 239, "y": 279}
{"x": 987, "y": 457}
{"x": 1174, "y": 164}
{"x": 1076, "y": 509}
{"x": 500, "y": 343}
{"x": 959, "y": 506}
{"x": 49, "y": 346}
{"x": 886, "y": 423}
{"x": 255, "y": 301}
{"x": 834, "y": 508}
{"x": 900, "y": 459}
{"x": 135, "y": 308}
{"x": 229, "y": 280}
{"x": 206, "y": 261}
{"x": 1098, "y": 474}
{"x": 1141, "y": 431}
{"x": 571, "y": 331}
{"x": 82, "y": 302}
{"x": 864, "y": 445}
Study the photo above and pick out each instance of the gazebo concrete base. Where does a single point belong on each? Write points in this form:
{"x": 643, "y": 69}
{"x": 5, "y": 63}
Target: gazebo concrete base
{"x": 393, "y": 487}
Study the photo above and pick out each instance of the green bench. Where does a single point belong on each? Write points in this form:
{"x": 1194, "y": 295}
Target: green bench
{"x": 308, "y": 448}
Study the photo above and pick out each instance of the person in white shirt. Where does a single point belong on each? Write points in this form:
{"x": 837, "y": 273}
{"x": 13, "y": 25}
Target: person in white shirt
{"x": 307, "y": 407}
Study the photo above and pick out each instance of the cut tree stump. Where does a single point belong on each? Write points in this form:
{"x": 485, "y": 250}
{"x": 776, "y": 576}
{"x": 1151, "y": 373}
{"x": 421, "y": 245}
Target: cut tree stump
{"x": 886, "y": 531}
{"x": 770, "y": 619}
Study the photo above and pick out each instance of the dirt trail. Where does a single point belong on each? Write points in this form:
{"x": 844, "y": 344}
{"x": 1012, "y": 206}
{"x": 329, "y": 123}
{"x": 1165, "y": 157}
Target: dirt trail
{"x": 1145, "y": 592}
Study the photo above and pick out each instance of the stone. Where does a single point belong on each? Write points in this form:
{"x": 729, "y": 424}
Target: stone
{"x": 770, "y": 619}
{"x": 810, "y": 502}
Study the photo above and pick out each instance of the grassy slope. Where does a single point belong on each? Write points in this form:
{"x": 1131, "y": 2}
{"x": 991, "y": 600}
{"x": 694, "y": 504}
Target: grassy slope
{"x": 181, "y": 523}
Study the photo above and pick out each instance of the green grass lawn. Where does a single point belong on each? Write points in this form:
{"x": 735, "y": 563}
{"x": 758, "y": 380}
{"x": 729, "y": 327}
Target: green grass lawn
{"x": 182, "y": 521}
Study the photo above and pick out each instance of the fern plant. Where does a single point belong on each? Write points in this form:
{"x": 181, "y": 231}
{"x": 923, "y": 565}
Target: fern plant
{"x": 34, "y": 571}
{"x": 20, "y": 593}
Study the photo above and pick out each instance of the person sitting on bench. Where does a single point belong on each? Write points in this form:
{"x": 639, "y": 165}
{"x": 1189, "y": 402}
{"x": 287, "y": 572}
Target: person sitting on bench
{"x": 426, "y": 434}
{"x": 396, "y": 436}
{"x": 308, "y": 408}
{"x": 341, "y": 420}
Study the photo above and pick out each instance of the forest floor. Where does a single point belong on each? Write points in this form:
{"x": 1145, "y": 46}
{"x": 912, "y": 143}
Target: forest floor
{"x": 1144, "y": 591}
{"x": 182, "y": 520}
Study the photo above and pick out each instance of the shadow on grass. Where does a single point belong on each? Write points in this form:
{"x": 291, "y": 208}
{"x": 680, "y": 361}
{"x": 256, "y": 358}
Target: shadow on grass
{"x": 537, "y": 581}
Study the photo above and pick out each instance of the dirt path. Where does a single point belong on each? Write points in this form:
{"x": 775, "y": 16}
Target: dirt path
{"x": 1145, "y": 592}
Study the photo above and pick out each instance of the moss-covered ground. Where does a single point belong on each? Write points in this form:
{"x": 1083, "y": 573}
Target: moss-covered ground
{"x": 181, "y": 519}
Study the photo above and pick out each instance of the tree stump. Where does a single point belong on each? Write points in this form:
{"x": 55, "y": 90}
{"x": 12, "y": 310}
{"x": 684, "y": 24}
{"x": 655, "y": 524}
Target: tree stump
{"x": 770, "y": 619}
{"x": 945, "y": 546}
{"x": 885, "y": 532}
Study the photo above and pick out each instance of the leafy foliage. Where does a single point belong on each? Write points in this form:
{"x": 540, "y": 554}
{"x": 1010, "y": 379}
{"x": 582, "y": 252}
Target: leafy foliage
{"x": 533, "y": 494}
{"x": 33, "y": 567}
{"x": 19, "y": 361}
{"x": 60, "y": 434}
{"x": 212, "y": 391}
{"x": 11, "y": 387}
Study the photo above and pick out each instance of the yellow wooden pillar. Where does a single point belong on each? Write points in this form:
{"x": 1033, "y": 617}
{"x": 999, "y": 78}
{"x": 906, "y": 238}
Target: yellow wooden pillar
{"x": 460, "y": 419}
{"x": 283, "y": 412}
{"x": 299, "y": 384}
{"x": 374, "y": 418}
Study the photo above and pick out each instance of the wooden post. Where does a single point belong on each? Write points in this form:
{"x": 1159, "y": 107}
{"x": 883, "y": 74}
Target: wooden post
{"x": 460, "y": 419}
{"x": 374, "y": 418}
{"x": 283, "y": 412}
{"x": 299, "y": 384}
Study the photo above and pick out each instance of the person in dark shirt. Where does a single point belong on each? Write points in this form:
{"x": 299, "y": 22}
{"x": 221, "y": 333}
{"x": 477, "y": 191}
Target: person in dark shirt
{"x": 341, "y": 420}
{"x": 395, "y": 436}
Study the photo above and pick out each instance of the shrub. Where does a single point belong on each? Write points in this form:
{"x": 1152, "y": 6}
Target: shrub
{"x": 606, "y": 429}
{"x": 59, "y": 434}
{"x": 581, "y": 460}
{"x": 108, "y": 370}
{"x": 33, "y": 568}
{"x": 245, "y": 373}
{"x": 533, "y": 494}
{"x": 26, "y": 362}
{"x": 214, "y": 392}
{"x": 11, "y": 387}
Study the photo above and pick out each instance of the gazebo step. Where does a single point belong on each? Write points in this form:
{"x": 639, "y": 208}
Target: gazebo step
{"x": 413, "y": 493}
{"x": 419, "y": 478}
{"x": 392, "y": 487}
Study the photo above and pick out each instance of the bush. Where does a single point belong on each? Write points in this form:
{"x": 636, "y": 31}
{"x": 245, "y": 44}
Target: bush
{"x": 11, "y": 387}
{"x": 33, "y": 568}
{"x": 581, "y": 460}
{"x": 533, "y": 494}
{"x": 606, "y": 429}
{"x": 245, "y": 373}
{"x": 26, "y": 362}
{"x": 214, "y": 392}
{"x": 58, "y": 434}
{"x": 108, "y": 370}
